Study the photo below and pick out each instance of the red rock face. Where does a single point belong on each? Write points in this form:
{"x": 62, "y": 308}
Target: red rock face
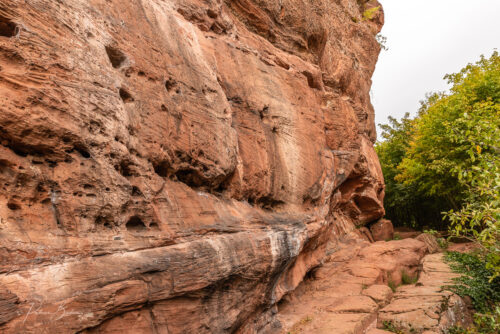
{"x": 178, "y": 166}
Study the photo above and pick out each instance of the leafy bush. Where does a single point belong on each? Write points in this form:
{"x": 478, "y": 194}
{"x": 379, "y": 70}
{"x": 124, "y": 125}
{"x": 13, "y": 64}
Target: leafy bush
{"x": 475, "y": 134}
{"x": 484, "y": 323}
{"x": 443, "y": 243}
{"x": 475, "y": 280}
{"x": 488, "y": 323}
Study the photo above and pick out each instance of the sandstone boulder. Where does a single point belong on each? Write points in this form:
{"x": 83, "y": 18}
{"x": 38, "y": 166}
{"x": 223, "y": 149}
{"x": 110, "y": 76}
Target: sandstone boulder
{"x": 382, "y": 230}
{"x": 430, "y": 241}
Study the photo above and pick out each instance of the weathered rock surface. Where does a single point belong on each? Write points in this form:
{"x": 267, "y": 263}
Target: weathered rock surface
{"x": 178, "y": 165}
{"x": 377, "y": 331}
{"x": 382, "y": 294}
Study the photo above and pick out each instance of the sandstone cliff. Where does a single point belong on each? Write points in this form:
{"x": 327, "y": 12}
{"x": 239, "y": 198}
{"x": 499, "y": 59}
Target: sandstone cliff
{"x": 178, "y": 166}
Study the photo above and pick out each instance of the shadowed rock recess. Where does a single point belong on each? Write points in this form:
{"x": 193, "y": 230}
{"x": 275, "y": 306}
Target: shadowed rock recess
{"x": 178, "y": 166}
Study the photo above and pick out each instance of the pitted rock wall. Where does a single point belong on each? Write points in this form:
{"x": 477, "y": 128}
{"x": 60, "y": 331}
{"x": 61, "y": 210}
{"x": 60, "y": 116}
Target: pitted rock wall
{"x": 178, "y": 165}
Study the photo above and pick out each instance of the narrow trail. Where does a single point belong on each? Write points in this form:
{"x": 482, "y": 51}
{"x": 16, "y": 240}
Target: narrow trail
{"x": 350, "y": 293}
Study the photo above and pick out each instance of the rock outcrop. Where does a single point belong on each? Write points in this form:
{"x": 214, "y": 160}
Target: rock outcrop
{"x": 178, "y": 165}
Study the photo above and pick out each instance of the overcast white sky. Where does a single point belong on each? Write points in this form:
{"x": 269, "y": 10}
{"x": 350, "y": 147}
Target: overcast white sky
{"x": 428, "y": 39}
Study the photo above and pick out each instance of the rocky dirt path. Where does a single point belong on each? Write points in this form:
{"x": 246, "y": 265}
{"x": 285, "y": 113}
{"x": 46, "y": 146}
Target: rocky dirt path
{"x": 425, "y": 306}
{"x": 350, "y": 293}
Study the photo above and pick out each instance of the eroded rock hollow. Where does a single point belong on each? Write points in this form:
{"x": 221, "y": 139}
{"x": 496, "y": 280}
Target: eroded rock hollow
{"x": 178, "y": 166}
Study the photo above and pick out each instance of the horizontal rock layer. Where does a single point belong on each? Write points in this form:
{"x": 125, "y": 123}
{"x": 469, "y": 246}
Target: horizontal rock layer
{"x": 178, "y": 165}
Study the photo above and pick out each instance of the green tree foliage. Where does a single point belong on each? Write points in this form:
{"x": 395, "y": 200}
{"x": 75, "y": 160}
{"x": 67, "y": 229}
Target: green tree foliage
{"x": 476, "y": 132}
{"x": 431, "y": 157}
{"x": 455, "y": 135}
{"x": 448, "y": 157}
{"x": 405, "y": 203}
